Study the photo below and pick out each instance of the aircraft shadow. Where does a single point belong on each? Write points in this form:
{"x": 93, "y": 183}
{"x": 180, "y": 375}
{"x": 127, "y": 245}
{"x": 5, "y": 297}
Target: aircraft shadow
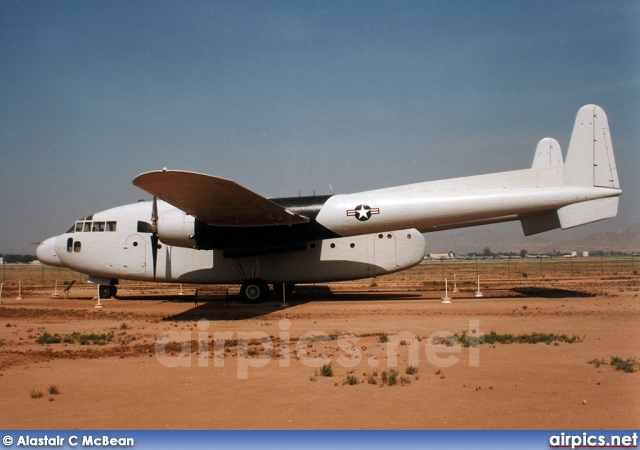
{"x": 220, "y": 307}
{"x": 550, "y": 292}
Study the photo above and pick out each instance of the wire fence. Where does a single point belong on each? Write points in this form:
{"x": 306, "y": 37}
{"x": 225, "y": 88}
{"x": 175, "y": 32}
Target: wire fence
{"x": 523, "y": 268}
{"x": 429, "y": 273}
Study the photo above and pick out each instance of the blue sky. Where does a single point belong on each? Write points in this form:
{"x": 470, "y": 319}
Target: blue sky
{"x": 298, "y": 96}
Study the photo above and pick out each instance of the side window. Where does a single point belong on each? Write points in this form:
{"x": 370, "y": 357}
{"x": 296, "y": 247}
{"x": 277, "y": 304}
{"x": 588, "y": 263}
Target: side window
{"x": 79, "y": 226}
{"x": 111, "y": 226}
{"x": 98, "y": 226}
{"x": 77, "y": 246}
{"x": 69, "y": 244}
{"x": 87, "y": 227}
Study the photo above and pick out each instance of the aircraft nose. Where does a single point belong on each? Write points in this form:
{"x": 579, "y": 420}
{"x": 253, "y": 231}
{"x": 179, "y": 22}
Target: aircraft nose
{"x": 46, "y": 253}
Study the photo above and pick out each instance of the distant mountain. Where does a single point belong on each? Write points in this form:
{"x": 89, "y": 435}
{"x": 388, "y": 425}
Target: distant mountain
{"x": 627, "y": 240}
{"x": 509, "y": 238}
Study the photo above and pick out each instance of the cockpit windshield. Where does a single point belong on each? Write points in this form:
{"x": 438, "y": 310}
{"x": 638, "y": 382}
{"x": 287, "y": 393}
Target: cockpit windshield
{"x": 88, "y": 226}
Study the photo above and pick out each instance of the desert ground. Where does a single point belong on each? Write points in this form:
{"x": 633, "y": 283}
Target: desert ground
{"x": 545, "y": 347}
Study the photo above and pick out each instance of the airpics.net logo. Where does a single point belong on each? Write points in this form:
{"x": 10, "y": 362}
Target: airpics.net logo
{"x": 257, "y": 349}
{"x": 588, "y": 440}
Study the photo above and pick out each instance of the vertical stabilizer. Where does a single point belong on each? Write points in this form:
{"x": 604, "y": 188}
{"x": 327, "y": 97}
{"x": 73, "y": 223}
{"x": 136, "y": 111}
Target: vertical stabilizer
{"x": 548, "y": 154}
{"x": 590, "y": 160}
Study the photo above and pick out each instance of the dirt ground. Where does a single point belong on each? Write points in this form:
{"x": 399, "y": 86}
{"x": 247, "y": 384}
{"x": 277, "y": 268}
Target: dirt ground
{"x": 167, "y": 362}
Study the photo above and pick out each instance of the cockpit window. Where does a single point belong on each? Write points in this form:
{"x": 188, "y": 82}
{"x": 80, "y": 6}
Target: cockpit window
{"x": 95, "y": 227}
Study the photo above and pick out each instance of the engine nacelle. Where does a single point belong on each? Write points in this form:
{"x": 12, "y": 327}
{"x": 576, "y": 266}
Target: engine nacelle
{"x": 177, "y": 228}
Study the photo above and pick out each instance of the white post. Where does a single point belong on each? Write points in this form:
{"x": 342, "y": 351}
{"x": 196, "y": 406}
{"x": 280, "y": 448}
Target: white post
{"x": 99, "y": 304}
{"x": 1, "y": 284}
{"x": 455, "y": 283}
{"x": 19, "y": 290}
{"x": 284, "y": 296}
{"x": 181, "y": 290}
{"x": 55, "y": 290}
{"x": 478, "y": 292}
{"x": 446, "y": 298}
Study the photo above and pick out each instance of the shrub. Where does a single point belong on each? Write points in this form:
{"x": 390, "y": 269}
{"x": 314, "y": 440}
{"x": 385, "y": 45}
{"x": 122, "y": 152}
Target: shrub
{"x": 532, "y": 338}
{"x": 36, "y": 394}
{"x": 383, "y": 337}
{"x": 411, "y": 370}
{"x": 351, "y": 380}
{"x": 626, "y": 365}
{"x": 53, "y": 389}
{"x": 597, "y": 362}
{"x": 326, "y": 370}
{"x": 47, "y": 338}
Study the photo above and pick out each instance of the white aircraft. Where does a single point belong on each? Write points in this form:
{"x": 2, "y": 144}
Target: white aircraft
{"x": 208, "y": 230}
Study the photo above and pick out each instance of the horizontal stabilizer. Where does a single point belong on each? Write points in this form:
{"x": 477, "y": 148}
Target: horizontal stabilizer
{"x": 586, "y": 212}
{"x": 571, "y": 216}
{"x": 540, "y": 223}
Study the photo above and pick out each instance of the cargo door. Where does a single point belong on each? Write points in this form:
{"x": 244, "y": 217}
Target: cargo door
{"x": 135, "y": 259}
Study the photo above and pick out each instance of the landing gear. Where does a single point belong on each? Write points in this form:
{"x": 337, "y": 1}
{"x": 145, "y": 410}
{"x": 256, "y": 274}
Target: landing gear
{"x": 107, "y": 291}
{"x": 254, "y": 290}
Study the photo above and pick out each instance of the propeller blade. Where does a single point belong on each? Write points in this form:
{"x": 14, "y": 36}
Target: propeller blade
{"x": 154, "y": 211}
{"x": 154, "y": 235}
{"x": 154, "y": 253}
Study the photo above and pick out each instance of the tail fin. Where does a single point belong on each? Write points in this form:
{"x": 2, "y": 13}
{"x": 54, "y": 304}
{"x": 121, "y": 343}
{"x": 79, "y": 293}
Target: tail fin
{"x": 548, "y": 154}
{"x": 590, "y": 163}
{"x": 590, "y": 160}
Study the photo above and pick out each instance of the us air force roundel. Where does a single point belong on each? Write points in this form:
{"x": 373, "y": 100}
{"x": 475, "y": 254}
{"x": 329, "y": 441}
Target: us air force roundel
{"x": 363, "y": 212}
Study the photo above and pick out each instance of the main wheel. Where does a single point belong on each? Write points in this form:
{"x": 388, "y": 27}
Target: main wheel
{"x": 105, "y": 291}
{"x": 254, "y": 290}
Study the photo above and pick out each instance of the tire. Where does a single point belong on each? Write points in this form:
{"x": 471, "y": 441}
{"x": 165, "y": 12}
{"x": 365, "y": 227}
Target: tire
{"x": 105, "y": 291}
{"x": 254, "y": 290}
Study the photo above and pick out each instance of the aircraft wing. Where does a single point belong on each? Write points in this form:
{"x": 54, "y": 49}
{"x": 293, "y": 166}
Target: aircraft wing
{"x": 215, "y": 201}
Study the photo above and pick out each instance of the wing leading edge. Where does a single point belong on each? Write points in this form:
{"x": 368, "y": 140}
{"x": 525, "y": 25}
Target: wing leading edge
{"x": 215, "y": 201}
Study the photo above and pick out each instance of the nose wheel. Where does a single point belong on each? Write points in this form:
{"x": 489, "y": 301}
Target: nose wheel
{"x": 254, "y": 290}
{"x": 107, "y": 291}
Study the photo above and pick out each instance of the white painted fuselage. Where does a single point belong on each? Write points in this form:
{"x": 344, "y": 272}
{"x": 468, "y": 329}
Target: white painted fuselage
{"x": 126, "y": 254}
